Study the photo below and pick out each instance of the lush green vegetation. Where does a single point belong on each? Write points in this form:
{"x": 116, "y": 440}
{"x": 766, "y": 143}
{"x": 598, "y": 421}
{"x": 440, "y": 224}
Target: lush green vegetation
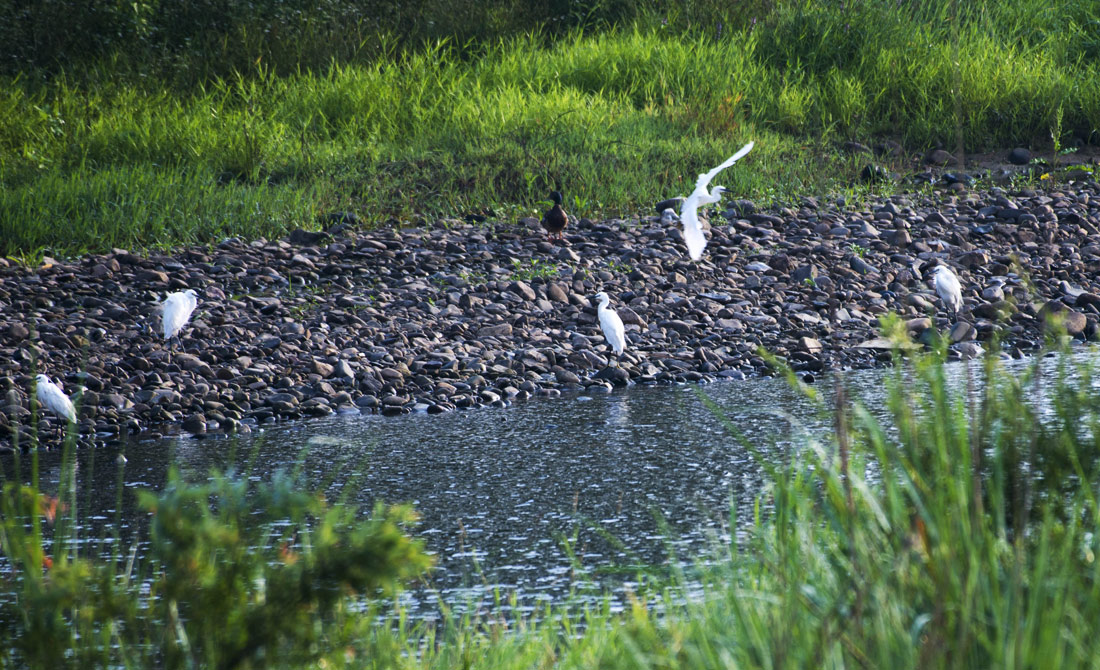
{"x": 960, "y": 531}
{"x": 238, "y": 575}
{"x": 230, "y": 119}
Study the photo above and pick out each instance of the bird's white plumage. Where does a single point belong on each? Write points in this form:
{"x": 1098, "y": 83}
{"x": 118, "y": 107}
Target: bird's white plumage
{"x": 693, "y": 232}
{"x": 176, "y": 310}
{"x": 54, "y": 399}
{"x": 948, "y": 288}
{"x": 611, "y": 325}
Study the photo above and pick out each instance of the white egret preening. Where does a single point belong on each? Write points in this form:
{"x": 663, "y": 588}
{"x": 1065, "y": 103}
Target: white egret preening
{"x": 693, "y": 232}
{"x": 54, "y": 399}
{"x": 611, "y": 325}
{"x": 176, "y": 310}
{"x": 948, "y": 288}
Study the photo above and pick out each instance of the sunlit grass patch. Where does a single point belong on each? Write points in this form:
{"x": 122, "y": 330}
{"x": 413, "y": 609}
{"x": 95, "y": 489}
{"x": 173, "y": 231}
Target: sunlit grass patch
{"x": 139, "y": 208}
{"x": 622, "y": 116}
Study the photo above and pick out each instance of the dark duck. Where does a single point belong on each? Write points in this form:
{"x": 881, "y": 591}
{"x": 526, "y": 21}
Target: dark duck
{"x": 555, "y": 219}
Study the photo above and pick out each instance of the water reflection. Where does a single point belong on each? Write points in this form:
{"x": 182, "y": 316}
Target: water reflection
{"x": 537, "y": 500}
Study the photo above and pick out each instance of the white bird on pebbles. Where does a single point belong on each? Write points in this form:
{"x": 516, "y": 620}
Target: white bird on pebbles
{"x": 948, "y": 288}
{"x": 693, "y": 232}
{"x": 54, "y": 399}
{"x": 611, "y": 325}
{"x": 176, "y": 310}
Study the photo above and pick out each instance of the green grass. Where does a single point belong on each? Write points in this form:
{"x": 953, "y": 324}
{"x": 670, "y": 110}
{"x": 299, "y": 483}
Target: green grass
{"x": 617, "y": 119}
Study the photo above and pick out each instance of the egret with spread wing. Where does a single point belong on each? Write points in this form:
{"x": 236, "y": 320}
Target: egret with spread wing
{"x": 693, "y": 231}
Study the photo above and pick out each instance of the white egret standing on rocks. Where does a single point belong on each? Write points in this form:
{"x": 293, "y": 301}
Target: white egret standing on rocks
{"x": 693, "y": 232}
{"x": 948, "y": 288}
{"x": 611, "y": 325}
{"x": 54, "y": 399}
{"x": 176, "y": 310}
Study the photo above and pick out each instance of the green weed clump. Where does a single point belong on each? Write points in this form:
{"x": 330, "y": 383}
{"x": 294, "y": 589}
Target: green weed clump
{"x": 238, "y": 575}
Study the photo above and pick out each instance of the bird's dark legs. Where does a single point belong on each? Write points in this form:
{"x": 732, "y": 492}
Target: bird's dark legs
{"x": 61, "y": 428}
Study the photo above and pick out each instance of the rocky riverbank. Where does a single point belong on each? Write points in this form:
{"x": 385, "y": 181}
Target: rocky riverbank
{"x": 467, "y": 314}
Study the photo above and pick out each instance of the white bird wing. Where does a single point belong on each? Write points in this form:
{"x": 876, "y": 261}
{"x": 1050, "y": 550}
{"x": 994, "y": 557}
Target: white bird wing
{"x": 613, "y": 330}
{"x": 947, "y": 283}
{"x": 693, "y": 232}
{"x": 948, "y": 287}
{"x": 704, "y": 179}
{"x": 55, "y": 399}
{"x": 177, "y": 310}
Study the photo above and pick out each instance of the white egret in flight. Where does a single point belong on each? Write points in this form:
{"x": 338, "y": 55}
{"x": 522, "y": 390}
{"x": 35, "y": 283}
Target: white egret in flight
{"x": 693, "y": 232}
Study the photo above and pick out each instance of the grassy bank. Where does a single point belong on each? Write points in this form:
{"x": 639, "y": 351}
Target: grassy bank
{"x": 960, "y": 531}
{"x": 103, "y": 154}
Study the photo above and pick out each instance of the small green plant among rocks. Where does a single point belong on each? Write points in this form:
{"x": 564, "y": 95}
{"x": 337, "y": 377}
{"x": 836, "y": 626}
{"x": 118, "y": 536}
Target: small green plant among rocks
{"x": 535, "y": 268}
{"x": 619, "y": 267}
{"x": 473, "y": 277}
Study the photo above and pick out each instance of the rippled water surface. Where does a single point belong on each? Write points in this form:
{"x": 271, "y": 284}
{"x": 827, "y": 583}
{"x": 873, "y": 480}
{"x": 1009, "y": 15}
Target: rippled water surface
{"x": 506, "y": 496}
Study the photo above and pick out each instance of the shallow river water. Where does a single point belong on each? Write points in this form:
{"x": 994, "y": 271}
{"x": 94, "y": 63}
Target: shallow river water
{"x": 537, "y": 500}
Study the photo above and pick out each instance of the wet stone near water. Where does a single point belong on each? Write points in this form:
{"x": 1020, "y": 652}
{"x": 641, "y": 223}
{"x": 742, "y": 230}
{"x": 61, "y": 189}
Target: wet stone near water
{"x": 461, "y": 315}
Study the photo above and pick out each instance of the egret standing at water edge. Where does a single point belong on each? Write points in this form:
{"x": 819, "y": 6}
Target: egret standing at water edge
{"x": 611, "y": 325}
{"x": 948, "y": 289}
{"x": 176, "y": 310}
{"x": 693, "y": 232}
{"x": 54, "y": 399}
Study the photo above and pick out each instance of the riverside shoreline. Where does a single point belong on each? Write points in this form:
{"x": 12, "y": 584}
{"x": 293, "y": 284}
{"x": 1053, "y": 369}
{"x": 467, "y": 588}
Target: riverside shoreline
{"x": 460, "y": 315}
